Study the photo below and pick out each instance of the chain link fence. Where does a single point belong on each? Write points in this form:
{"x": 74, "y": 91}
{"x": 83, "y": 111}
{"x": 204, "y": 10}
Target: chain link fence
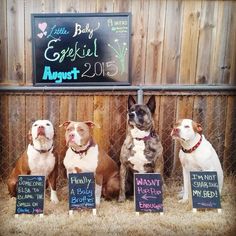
{"x": 215, "y": 111}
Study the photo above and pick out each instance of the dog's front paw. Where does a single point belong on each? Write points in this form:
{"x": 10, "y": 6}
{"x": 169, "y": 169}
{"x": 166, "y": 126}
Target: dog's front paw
{"x": 184, "y": 200}
{"x": 121, "y": 198}
{"x": 54, "y": 197}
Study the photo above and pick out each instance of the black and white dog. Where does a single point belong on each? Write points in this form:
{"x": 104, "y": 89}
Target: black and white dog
{"x": 142, "y": 150}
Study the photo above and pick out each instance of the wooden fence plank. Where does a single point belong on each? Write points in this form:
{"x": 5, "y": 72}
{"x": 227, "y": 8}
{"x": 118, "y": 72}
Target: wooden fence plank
{"x": 104, "y": 6}
{"x": 4, "y": 137}
{"x": 167, "y": 114}
{"x": 117, "y": 129}
{"x": 221, "y": 40}
{"x": 189, "y": 46}
{"x": 122, "y": 6}
{"x": 34, "y": 110}
{"x": 102, "y": 118}
{"x": 229, "y": 75}
{"x": 155, "y": 42}
{"x": 15, "y": 32}
{"x": 229, "y": 160}
{"x": 3, "y": 42}
{"x": 139, "y": 39}
{"x": 17, "y": 139}
{"x": 85, "y": 108}
{"x": 172, "y": 42}
{"x": 205, "y": 47}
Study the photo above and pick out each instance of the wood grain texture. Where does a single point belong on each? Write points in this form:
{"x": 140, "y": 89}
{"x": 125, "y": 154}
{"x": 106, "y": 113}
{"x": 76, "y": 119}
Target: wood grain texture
{"x": 16, "y": 47}
{"x": 155, "y": 41}
{"x": 3, "y": 42}
{"x": 189, "y": 45}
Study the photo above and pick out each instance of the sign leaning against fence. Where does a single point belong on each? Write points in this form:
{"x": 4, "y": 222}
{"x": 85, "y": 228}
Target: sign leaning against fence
{"x": 81, "y": 49}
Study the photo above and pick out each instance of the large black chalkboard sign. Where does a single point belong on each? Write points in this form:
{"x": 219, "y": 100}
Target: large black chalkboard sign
{"x": 81, "y": 49}
{"x": 81, "y": 191}
{"x": 205, "y": 189}
{"x": 148, "y": 192}
{"x": 30, "y": 194}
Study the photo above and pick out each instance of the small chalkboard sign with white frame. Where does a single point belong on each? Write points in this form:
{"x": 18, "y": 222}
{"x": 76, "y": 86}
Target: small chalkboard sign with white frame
{"x": 205, "y": 190}
{"x": 30, "y": 195}
{"x": 82, "y": 192}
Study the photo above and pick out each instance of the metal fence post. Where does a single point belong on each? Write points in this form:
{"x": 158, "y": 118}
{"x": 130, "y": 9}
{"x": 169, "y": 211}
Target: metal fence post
{"x": 140, "y": 95}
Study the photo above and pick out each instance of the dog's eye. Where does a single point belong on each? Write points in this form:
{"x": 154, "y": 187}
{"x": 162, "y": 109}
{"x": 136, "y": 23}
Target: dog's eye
{"x": 47, "y": 124}
{"x": 35, "y": 125}
{"x": 80, "y": 130}
{"x": 186, "y": 126}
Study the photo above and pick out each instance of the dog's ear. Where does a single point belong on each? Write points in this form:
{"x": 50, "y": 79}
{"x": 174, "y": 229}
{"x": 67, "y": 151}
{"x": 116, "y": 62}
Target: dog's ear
{"x": 91, "y": 124}
{"x": 151, "y": 104}
{"x": 30, "y": 137}
{"x": 197, "y": 127}
{"x": 131, "y": 101}
{"x": 65, "y": 124}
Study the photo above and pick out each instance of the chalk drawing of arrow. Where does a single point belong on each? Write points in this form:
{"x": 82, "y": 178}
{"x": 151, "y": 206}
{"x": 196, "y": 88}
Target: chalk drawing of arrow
{"x": 145, "y": 197}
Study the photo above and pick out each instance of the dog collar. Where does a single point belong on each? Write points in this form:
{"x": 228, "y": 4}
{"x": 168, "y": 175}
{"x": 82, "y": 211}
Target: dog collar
{"x": 151, "y": 135}
{"x": 193, "y": 148}
{"x": 43, "y": 151}
{"x": 81, "y": 152}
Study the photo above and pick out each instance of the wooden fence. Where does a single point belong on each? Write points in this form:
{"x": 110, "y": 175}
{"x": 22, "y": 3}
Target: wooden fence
{"x": 216, "y": 112}
{"x": 180, "y": 42}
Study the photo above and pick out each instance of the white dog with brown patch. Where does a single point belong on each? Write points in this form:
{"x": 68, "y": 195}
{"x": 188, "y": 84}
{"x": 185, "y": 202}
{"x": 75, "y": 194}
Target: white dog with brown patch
{"x": 196, "y": 154}
{"x": 84, "y": 155}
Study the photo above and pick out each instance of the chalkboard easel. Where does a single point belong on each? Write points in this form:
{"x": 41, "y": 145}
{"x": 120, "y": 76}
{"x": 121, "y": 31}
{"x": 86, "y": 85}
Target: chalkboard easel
{"x": 148, "y": 193}
{"x": 30, "y": 195}
{"x": 205, "y": 190}
{"x": 82, "y": 192}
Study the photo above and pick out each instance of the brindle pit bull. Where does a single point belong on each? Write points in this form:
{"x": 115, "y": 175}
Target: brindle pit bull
{"x": 142, "y": 150}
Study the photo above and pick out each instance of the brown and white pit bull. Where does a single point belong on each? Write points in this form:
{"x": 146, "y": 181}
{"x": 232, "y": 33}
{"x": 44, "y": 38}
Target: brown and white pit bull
{"x": 196, "y": 154}
{"x": 38, "y": 159}
{"x": 84, "y": 155}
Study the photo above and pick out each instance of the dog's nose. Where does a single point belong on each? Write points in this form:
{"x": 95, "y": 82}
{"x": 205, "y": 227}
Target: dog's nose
{"x": 176, "y": 130}
{"x": 41, "y": 127}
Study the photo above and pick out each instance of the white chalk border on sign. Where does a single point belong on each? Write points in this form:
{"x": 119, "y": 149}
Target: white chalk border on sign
{"x": 94, "y": 210}
{"x": 41, "y": 214}
{"x": 194, "y": 210}
{"x": 137, "y": 213}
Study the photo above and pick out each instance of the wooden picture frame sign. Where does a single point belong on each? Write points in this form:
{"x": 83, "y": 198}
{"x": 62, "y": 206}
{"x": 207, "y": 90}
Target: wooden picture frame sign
{"x": 82, "y": 192}
{"x": 30, "y": 195}
{"x": 205, "y": 190}
{"x": 148, "y": 193}
{"x": 81, "y": 49}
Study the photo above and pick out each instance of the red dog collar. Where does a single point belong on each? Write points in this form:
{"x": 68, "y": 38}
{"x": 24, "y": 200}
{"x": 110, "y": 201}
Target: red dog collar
{"x": 193, "y": 148}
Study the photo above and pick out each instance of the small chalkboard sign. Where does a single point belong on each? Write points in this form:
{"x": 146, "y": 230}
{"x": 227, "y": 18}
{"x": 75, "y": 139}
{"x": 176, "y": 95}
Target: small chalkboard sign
{"x": 82, "y": 191}
{"x": 30, "y": 194}
{"x": 81, "y": 49}
{"x": 148, "y": 192}
{"x": 205, "y": 189}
